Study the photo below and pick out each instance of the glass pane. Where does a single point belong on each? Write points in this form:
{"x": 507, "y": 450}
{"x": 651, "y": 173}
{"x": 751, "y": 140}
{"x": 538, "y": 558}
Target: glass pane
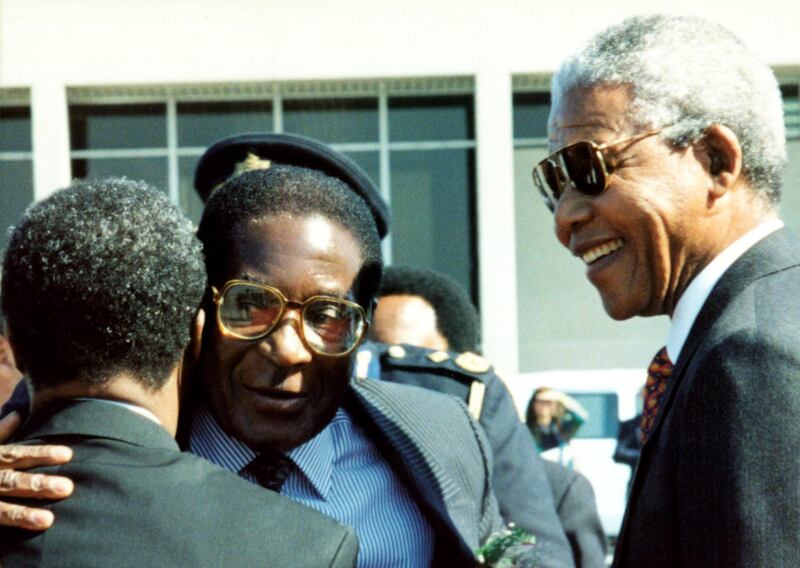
{"x": 603, "y": 421}
{"x": 16, "y": 193}
{"x": 433, "y": 220}
{"x": 150, "y": 170}
{"x": 431, "y": 118}
{"x": 530, "y": 115}
{"x": 559, "y": 311}
{"x": 333, "y": 120}
{"x": 117, "y": 126}
{"x": 791, "y": 110}
{"x": 189, "y": 201}
{"x": 202, "y": 124}
{"x": 15, "y": 129}
{"x": 370, "y": 162}
{"x": 790, "y": 198}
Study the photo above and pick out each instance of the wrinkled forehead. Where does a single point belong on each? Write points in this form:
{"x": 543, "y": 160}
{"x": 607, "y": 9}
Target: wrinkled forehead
{"x": 288, "y": 247}
{"x": 599, "y": 114}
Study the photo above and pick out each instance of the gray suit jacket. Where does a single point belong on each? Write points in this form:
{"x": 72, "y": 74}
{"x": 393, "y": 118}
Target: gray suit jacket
{"x": 519, "y": 479}
{"x": 443, "y": 456}
{"x": 141, "y": 502}
{"x": 718, "y": 481}
{"x": 577, "y": 511}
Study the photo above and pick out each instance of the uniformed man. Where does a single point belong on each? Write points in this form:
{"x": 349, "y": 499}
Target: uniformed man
{"x": 427, "y": 309}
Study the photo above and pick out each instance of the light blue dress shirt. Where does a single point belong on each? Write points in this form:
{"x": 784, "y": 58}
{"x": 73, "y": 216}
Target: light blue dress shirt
{"x": 340, "y": 473}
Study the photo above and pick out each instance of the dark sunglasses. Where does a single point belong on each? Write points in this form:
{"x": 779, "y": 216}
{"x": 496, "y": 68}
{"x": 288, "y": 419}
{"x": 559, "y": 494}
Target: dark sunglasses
{"x": 330, "y": 326}
{"x": 581, "y": 165}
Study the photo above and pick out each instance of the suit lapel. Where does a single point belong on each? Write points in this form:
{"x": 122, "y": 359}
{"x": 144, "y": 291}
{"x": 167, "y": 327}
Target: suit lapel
{"x": 770, "y": 255}
{"x": 411, "y": 456}
{"x": 764, "y": 258}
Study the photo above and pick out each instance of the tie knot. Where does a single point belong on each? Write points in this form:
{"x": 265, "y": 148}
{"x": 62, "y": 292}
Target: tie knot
{"x": 661, "y": 366}
{"x": 270, "y": 469}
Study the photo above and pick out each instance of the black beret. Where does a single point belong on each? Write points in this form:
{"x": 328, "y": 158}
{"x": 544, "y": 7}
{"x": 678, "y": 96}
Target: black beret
{"x": 218, "y": 163}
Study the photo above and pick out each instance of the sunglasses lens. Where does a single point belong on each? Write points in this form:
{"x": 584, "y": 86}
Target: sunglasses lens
{"x": 332, "y": 327}
{"x": 583, "y": 167}
{"x": 249, "y": 311}
{"x": 546, "y": 179}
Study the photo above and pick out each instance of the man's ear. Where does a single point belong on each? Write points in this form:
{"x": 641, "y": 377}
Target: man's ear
{"x": 191, "y": 355}
{"x": 723, "y": 158}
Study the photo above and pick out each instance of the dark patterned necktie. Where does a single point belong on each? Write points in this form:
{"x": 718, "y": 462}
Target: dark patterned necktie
{"x": 270, "y": 469}
{"x": 657, "y": 379}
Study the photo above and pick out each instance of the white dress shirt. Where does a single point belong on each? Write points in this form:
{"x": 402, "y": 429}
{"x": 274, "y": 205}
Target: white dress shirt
{"x": 699, "y": 289}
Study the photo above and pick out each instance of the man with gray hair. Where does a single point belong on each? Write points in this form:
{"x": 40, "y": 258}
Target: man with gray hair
{"x": 665, "y": 179}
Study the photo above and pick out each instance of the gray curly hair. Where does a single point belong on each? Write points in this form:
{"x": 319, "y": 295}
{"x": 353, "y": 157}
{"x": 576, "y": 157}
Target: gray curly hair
{"x": 100, "y": 278}
{"x": 689, "y": 74}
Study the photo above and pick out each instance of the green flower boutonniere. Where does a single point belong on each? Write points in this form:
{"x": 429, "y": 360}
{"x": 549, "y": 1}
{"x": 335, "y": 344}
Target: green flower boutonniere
{"x": 509, "y": 548}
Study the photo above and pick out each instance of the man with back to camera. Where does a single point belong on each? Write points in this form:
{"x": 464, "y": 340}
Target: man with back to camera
{"x": 422, "y": 307}
{"x": 101, "y": 282}
{"x": 669, "y": 149}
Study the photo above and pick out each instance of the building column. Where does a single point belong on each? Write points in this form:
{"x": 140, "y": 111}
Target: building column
{"x": 50, "y": 134}
{"x": 495, "y": 210}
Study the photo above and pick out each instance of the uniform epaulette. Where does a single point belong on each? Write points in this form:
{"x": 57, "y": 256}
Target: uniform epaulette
{"x": 468, "y": 368}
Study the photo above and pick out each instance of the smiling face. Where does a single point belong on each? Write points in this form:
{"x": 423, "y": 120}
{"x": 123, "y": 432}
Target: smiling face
{"x": 650, "y": 232}
{"x": 276, "y": 393}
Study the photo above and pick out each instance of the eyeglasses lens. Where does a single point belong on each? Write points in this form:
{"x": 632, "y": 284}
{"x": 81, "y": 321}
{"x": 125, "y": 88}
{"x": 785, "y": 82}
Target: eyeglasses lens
{"x": 332, "y": 327}
{"x": 249, "y": 311}
{"x": 329, "y": 326}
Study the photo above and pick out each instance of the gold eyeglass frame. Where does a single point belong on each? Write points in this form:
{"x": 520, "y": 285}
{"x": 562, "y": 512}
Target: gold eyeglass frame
{"x": 218, "y": 298}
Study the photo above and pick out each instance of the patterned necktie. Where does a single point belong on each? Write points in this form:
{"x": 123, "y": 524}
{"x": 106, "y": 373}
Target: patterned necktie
{"x": 657, "y": 378}
{"x": 270, "y": 469}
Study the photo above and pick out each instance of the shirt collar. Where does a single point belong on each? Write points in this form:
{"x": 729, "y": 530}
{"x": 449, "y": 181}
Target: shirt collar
{"x": 132, "y": 407}
{"x": 208, "y": 440}
{"x": 314, "y": 459}
{"x": 697, "y": 292}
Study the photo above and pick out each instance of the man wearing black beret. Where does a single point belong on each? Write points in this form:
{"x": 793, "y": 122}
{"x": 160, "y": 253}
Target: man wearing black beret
{"x": 519, "y": 479}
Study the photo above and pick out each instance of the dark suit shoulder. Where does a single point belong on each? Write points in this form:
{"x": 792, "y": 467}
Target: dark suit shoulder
{"x": 145, "y": 506}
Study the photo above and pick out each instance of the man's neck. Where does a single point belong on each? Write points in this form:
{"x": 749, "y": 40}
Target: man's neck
{"x": 162, "y": 403}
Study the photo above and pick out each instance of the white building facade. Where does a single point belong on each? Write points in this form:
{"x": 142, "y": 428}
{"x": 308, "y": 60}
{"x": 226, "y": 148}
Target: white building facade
{"x": 443, "y": 103}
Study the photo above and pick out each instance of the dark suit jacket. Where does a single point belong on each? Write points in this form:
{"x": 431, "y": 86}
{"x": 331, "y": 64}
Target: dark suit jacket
{"x": 718, "y": 481}
{"x": 442, "y": 455}
{"x": 140, "y": 502}
{"x": 577, "y": 511}
{"x": 519, "y": 478}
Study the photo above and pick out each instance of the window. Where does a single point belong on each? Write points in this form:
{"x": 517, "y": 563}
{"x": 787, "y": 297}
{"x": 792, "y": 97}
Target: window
{"x": 16, "y": 165}
{"x": 603, "y": 421}
{"x": 415, "y": 142}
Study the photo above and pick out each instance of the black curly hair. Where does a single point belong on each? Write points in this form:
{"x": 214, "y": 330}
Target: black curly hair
{"x": 456, "y": 318}
{"x": 100, "y": 278}
{"x": 289, "y": 190}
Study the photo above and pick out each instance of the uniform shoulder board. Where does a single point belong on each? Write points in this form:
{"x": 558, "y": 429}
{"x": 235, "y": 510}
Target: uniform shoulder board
{"x": 473, "y": 363}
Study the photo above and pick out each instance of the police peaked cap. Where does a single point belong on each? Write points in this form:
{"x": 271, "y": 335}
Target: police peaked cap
{"x": 218, "y": 163}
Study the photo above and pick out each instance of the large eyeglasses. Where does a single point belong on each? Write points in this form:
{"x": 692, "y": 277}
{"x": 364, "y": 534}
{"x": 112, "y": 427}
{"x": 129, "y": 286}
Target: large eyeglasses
{"x": 331, "y": 326}
{"x": 581, "y": 164}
